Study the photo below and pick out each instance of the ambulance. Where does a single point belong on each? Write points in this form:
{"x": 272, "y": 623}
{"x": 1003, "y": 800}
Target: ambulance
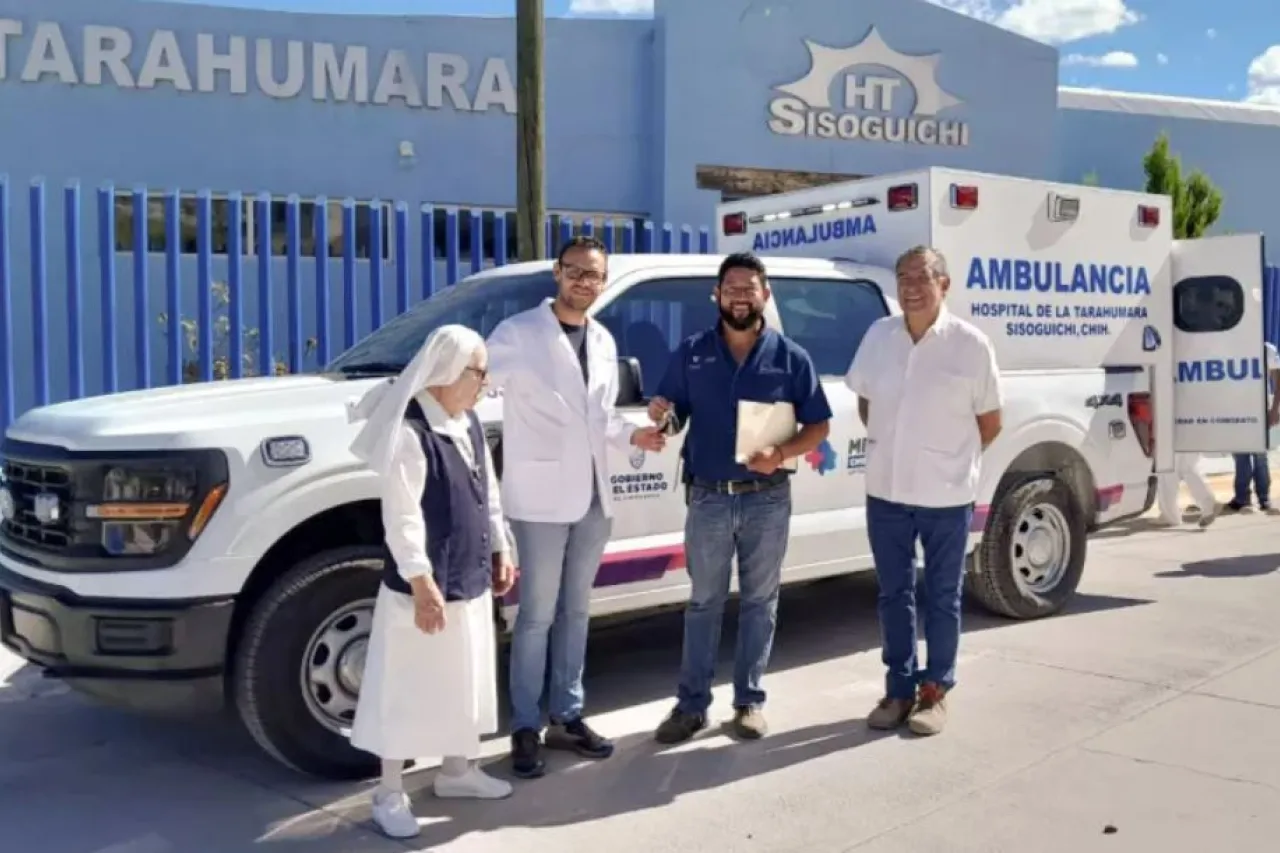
{"x": 216, "y": 545}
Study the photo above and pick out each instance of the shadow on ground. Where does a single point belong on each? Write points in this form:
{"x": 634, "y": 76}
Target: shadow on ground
{"x": 1241, "y": 566}
{"x": 118, "y": 776}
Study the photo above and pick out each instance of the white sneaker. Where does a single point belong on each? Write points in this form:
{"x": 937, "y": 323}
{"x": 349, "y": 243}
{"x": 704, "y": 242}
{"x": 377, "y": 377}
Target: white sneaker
{"x": 393, "y": 815}
{"x": 475, "y": 784}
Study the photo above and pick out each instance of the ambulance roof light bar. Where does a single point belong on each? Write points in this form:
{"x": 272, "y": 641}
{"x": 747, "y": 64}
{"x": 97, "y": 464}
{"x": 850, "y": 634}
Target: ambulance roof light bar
{"x": 735, "y": 224}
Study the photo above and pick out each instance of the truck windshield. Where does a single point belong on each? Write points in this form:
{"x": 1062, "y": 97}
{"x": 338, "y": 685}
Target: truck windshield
{"x": 480, "y": 303}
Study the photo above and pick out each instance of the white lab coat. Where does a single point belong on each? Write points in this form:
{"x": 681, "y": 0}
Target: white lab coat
{"x": 555, "y": 428}
{"x": 1186, "y": 468}
{"x": 426, "y": 695}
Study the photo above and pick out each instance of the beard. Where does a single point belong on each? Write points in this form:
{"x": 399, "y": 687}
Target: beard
{"x": 746, "y": 321}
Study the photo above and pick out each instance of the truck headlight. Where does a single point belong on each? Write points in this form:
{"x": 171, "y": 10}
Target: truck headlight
{"x": 144, "y": 509}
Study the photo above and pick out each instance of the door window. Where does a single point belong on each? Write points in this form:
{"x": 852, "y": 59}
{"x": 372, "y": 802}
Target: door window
{"x": 828, "y": 317}
{"x": 648, "y": 321}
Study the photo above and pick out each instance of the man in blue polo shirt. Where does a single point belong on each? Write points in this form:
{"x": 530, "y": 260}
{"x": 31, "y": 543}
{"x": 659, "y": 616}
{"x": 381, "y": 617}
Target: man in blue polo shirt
{"x": 734, "y": 509}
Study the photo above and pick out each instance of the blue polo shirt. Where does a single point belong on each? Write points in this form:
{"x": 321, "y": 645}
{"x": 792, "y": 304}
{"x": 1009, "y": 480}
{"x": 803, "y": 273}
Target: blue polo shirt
{"x": 704, "y": 383}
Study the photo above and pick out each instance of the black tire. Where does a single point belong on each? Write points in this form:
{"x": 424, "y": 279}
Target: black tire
{"x": 267, "y": 681}
{"x": 992, "y": 578}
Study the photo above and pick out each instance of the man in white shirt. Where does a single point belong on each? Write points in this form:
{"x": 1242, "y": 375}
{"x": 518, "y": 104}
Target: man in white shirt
{"x": 558, "y": 373}
{"x": 929, "y": 393}
{"x": 1253, "y": 467}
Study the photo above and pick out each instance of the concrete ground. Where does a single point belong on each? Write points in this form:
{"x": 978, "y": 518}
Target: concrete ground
{"x": 1139, "y": 720}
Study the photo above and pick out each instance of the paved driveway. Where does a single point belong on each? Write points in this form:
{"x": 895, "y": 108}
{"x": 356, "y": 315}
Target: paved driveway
{"x": 1151, "y": 708}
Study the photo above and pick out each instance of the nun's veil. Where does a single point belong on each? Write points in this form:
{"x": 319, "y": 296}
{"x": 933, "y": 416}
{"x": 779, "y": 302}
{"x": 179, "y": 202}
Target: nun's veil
{"x": 443, "y": 357}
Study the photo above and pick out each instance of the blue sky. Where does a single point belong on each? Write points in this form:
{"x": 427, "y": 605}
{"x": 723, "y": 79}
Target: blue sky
{"x": 1228, "y": 49}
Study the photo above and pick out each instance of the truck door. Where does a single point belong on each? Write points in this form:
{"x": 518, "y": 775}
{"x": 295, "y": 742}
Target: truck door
{"x": 1220, "y": 381}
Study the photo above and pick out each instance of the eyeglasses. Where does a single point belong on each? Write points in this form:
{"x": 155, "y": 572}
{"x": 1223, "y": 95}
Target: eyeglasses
{"x": 480, "y": 373}
{"x": 577, "y": 273}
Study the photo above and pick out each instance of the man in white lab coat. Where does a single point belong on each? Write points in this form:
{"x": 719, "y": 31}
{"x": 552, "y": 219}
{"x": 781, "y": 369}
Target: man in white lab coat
{"x": 558, "y": 372}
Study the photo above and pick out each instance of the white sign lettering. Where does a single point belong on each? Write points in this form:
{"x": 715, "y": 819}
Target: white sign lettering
{"x": 235, "y": 64}
{"x": 903, "y": 108}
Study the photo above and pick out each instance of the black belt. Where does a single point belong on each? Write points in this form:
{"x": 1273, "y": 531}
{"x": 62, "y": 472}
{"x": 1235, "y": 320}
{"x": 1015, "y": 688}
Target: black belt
{"x": 743, "y": 487}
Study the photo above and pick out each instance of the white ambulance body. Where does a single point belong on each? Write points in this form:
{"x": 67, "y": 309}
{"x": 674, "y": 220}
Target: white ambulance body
{"x": 1061, "y": 278}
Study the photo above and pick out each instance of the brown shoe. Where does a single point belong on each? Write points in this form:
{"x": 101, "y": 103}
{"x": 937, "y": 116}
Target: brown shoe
{"x": 889, "y": 713}
{"x": 929, "y": 716}
{"x": 749, "y": 723}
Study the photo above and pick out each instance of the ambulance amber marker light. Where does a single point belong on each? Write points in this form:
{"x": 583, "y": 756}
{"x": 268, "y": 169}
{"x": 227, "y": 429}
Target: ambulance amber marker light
{"x": 734, "y": 224}
{"x": 1148, "y": 217}
{"x": 964, "y": 198}
{"x": 903, "y": 197}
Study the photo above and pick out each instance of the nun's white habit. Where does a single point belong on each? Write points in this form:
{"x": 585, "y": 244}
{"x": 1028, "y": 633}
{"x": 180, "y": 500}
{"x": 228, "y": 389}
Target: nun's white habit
{"x": 424, "y": 695}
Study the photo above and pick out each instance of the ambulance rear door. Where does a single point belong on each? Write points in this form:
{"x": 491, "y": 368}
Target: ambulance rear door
{"x": 1220, "y": 381}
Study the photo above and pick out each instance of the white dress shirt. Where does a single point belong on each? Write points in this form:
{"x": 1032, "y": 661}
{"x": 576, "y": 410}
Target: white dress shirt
{"x": 923, "y": 445}
{"x": 556, "y": 427}
{"x": 406, "y": 478}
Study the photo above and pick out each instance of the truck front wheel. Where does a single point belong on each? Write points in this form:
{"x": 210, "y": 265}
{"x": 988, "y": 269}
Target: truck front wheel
{"x": 1033, "y": 549}
{"x": 300, "y": 660}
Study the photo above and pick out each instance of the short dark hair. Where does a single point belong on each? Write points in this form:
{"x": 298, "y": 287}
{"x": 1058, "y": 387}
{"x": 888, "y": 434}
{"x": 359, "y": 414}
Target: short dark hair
{"x": 742, "y": 261}
{"x": 588, "y": 244}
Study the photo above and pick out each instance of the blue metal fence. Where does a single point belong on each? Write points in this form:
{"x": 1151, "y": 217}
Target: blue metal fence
{"x": 230, "y": 301}
{"x": 114, "y": 313}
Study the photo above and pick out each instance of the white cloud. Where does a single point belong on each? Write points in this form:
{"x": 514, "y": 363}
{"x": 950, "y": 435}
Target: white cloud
{"x": 1211, "y": 33}
{"x": 1161, "y": 59}
{"x": 1050, "y": 21}
{"x": 611, "y": 7}
{"x": 1264, "y": 77}
{"x": 1114, "y": 59}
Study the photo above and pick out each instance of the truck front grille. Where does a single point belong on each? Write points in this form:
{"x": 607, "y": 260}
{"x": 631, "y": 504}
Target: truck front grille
{"x": 41, "y": 505}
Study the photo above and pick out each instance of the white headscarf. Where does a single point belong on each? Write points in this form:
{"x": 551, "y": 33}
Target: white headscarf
{"x": 444, "y": 356}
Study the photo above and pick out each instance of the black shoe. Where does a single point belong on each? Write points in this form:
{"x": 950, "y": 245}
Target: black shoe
{"x": 526, "y": 762}
{"x": 1235, "y": 506}
{"x": 679, "y": 727}
{"x": 577, "y": 736}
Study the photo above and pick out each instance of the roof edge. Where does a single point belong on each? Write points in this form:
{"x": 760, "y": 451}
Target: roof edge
{"x": 1204, "y": 109}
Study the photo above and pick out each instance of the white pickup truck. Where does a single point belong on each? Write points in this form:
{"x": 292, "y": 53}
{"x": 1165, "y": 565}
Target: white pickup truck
{"x": 191, "y": 548}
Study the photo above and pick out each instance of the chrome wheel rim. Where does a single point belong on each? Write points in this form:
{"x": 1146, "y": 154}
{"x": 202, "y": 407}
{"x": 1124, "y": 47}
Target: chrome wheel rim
{"x": 1040, "y": 550}
{"x": 333, "y": 664}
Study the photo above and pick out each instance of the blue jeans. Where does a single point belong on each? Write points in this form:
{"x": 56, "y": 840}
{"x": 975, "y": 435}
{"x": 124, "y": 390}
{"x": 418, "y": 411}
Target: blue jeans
{"x": 558, "y": 566}
{"x": 893, "y": 529}
{"x": 1252, "y": 467}
{"x": 754, "y": 527}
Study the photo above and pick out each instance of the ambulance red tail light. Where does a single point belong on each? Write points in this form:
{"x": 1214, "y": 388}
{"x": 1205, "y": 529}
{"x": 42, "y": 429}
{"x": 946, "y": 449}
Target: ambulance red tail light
{"x": 903, "y": 197}
{"x": 1148, "y": 217}
{"x": 1142, "y": 419}
{"x": 735, "y": 224}
{"x": 963, "y": 197}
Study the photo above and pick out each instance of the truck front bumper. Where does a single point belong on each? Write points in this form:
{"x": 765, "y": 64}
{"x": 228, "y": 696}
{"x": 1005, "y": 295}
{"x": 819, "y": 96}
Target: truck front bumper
{"x": 145, "y": 655}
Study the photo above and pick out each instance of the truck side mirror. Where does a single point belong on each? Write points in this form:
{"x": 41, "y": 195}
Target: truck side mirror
{"x": 630, "y": 382}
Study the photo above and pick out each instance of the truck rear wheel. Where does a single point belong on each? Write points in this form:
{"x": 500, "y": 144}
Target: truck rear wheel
{"x": 1032, "y": 553}
{"x": 300, "y": 660}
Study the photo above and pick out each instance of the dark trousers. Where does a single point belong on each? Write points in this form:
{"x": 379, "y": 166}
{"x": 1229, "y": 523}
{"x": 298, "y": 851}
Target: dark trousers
{"x": 894, "y": 529}
{"x": 1252, "y": 467}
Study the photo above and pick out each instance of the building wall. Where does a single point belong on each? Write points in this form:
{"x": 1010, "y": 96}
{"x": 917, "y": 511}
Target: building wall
{"x": 165, "y": 135}
{"x": 1235, "y": 145}
{"x": 722, "y": 59}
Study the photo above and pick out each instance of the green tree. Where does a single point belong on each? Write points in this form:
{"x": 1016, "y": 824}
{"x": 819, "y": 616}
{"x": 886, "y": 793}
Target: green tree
{"x": 1197, "y": 203}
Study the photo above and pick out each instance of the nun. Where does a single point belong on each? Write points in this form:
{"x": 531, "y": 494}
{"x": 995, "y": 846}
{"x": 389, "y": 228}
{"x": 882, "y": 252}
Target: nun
{"x": 430, "y": 684}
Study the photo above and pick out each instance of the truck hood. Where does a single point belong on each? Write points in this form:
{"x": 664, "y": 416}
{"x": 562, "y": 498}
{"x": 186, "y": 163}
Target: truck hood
{"x": 206, "y": 414}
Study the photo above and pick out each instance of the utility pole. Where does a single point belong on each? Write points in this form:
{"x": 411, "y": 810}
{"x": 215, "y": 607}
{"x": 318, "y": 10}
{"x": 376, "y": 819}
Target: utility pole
{"x": 531, "y": 191}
